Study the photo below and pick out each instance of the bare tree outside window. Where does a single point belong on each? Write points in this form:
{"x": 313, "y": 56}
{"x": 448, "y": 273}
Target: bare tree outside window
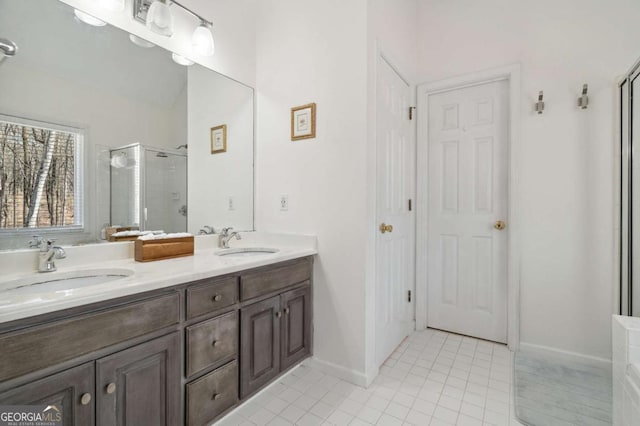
{"x": 37, "y": 177}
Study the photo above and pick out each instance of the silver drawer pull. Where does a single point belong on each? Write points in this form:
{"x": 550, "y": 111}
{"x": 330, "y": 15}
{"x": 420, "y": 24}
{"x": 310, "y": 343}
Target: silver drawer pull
{"x": 286, "y": 311}
{"x": 215, "y": 343}
{"x": 217, "y": 298}
{"x": 111, "y": 388}
{"x": 216, "y": 396}
{"x": 278, "y": 314}
{"x": 85, "y": 399}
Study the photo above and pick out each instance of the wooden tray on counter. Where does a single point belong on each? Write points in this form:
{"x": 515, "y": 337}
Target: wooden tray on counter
{"x": 168, "y": 248}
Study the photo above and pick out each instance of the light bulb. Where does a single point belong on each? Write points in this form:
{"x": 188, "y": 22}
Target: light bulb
{"x": 140, "y": 41}
{"x": 181, "y": 60}
{"x": 113, "y": 5}
{"x": 202, "y": 41}
{"x": 160, "y": 19}
{"x": 88, "y": 19}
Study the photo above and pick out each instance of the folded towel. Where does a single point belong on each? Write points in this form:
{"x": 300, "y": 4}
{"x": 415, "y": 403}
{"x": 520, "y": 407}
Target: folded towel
{"x": 137, "y": 233}
{"x": 164, "y": 236}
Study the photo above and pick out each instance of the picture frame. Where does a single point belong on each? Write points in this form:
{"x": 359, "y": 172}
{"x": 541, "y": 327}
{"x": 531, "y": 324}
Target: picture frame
{"x": 219, "y": 139}
{"x": 303, "y": 122}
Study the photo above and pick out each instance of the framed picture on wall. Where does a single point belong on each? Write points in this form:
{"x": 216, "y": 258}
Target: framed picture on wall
{"x": 303, "y": 122}
{"x": 219, "y": 139}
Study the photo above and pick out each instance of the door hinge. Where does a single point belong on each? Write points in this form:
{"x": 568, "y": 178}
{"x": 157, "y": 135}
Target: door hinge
{"x": 410, "y": 204}
{"x": 409, "y": 296}
{"x": 411, "y": 109}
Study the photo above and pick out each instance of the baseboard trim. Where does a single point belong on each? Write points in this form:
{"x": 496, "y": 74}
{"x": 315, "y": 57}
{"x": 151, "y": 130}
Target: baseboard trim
{"x": 352, "y": 376}
{"x": 586, "y": 359}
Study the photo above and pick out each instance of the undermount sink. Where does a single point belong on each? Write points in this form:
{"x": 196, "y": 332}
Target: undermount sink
{"x": 63, "y": 281}
{"x": 246, "y": 251}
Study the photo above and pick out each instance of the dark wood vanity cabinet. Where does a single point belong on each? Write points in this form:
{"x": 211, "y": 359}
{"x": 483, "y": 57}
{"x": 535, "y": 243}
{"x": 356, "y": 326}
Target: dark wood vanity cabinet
{"x": 276, "y": 334}
{"x": 71, "y": 390}
{"x": 140, "y": 385}
{"x": 181, "y": 355}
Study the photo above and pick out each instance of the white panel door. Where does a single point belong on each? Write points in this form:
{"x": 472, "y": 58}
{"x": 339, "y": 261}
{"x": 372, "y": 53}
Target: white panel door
{"x": 395, "y": 246}
{"x": 467, "y": 252}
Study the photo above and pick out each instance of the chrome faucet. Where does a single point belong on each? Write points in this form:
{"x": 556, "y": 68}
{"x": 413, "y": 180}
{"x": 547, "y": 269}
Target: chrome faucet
{"x": 48, "y": 252}
{"x": 225, "y": 236}
{"x": 207, "y": 230}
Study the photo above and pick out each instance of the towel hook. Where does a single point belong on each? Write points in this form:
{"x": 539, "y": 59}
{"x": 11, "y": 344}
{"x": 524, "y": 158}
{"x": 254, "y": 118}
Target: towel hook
{"x": 539, "y": 106}
{"x": 583, "y": 101}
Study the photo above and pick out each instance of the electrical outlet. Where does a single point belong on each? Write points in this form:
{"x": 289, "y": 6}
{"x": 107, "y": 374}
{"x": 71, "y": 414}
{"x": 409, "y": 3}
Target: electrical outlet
{"x": 284, "y": 202}
{"x": 231, "y": 203}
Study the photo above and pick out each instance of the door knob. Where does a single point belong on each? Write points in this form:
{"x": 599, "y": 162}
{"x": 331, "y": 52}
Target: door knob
{"x": 385, "y": 228}
{"x": 500, "y": 225}
{"x": 111, "y": 388}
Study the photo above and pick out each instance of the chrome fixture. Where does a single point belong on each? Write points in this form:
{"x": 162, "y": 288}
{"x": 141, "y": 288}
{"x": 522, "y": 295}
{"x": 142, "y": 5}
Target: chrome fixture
{"x": 207, "y": 230}
{"x": 225, "y": 236}
{"x": 539, "y": 106}
{"x": 157, "y": 16}
{"x": 583, "y": 101}
{"x": 185, "y": 146}
{"x": 48, "y": 252}
{"x": 161, "y": 154}
{"x": 7, "y": 47}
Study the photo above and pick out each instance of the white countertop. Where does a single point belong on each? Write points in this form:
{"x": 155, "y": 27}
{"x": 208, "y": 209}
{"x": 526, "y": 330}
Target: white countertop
{"x": 150, "y": 275}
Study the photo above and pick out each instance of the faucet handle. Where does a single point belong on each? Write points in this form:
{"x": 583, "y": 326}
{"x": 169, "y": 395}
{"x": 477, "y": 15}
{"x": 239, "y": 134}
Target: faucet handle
{"x": 36, "y": 241}
{"x": 225, "y": 231}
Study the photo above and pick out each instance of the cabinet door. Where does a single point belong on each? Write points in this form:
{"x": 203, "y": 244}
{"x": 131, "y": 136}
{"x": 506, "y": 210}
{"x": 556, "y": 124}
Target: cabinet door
{"x": 260, "y": 344}
{"x": 296, "y": 326}
{"x": 71, "y": 391}
{"x": 140, "y": 385}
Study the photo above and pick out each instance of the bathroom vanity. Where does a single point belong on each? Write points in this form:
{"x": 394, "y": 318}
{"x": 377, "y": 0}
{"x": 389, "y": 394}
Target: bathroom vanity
{"x": 180, "y": 354}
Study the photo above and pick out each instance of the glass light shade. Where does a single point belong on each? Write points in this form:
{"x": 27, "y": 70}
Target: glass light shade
{"x": 160, "y": 19}
{"x": 202, "y": 41}
{"x": 88, "y": 19}
{"x": 140, "y": 41}
{"x": 113, "y": 5}
{"x": 181, "y": 60}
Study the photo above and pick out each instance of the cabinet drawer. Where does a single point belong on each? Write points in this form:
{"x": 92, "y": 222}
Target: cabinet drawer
{"x": 211, "y": 395}
{"x": 211, "y": 341}
{"x": 211, "y": 296}
{"x": 40, "y": 347}
{"x": 264, "y": 282}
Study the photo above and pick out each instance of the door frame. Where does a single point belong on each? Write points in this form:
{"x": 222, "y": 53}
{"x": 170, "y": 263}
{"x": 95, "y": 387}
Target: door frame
{"x": 511, "y": 74}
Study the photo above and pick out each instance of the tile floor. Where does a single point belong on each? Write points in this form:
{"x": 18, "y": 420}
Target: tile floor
{"x": 433, "y": 378}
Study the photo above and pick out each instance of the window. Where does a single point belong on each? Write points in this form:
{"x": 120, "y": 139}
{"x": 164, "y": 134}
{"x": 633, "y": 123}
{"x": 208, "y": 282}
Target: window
{"x": 40, "y": 175}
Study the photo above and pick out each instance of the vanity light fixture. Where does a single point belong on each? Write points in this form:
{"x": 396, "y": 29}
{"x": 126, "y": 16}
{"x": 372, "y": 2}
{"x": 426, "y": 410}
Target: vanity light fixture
{"x": 202, "y": 40}
{"x": 88, "y": 19}
{"x": 138, "y": 41}
{"x": 159, "y": 18}
{"x": 156, "y": 15}
{"x": 181, "y": 60}
{"x": 113, "y": 5}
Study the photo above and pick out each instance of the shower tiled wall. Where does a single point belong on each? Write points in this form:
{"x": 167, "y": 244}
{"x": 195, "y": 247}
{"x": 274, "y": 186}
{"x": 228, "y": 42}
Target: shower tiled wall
{"x": 626, "y": 369}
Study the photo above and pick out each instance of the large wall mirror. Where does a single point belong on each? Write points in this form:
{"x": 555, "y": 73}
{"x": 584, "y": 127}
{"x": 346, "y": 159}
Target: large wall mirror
{"x": 630, "y": 193}
{"x": 98, "y": 127}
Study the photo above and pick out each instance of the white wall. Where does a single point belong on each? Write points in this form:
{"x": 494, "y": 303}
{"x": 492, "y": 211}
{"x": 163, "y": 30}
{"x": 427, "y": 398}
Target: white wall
{"x": 315, "y": 51}
{"x": 214, "y": 100}
{"x": 567, "y": 165}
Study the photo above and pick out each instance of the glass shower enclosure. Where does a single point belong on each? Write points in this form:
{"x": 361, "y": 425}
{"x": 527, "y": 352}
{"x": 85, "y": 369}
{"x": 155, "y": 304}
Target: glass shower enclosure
{"x": 629, "y": 249}
{"x": 149, "y": 188}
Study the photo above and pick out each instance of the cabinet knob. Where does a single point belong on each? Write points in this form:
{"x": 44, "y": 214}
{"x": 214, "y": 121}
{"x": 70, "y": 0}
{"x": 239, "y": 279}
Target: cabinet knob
{"x": 278, "y": 314}
{"x": 216, "y": 396}
{"x": 215, "y": 343}
{"x": 85, "y": 399}
{"x": 286, "y": 311}
{"x": 217, "y": 298}
{"x": 111, "y": 388}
